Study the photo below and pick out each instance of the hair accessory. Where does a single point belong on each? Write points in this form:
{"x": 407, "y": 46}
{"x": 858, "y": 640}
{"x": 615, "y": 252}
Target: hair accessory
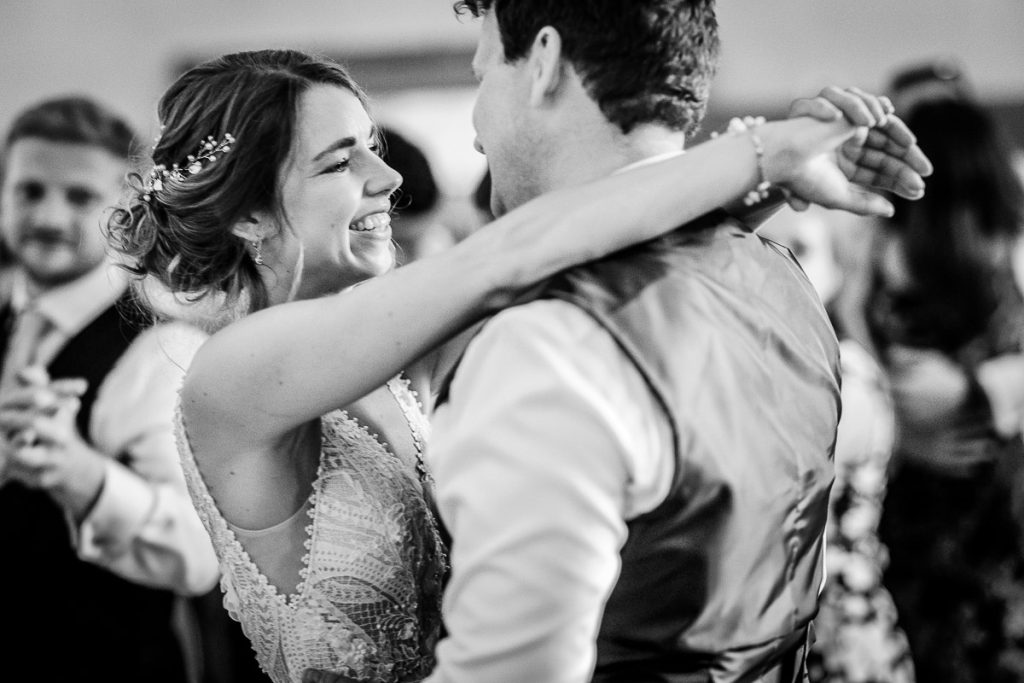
{"x": 748, "y": 125}
{"x": 206, "y": 154}
{"x": 156, "y": 140}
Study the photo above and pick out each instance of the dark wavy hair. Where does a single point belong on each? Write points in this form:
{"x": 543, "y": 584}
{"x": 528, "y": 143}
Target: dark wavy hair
{"x": 956, "y": 238}
{"x": 182, "y": 236}
{"x": 642, "y": 61}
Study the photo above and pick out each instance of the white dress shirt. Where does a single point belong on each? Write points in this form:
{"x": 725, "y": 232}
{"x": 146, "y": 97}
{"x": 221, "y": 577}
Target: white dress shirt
{"x": 143, "y": 526}
{"x": 550, "y": 441}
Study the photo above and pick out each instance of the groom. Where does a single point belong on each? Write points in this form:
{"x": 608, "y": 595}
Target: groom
{"x": 635, "y": 467}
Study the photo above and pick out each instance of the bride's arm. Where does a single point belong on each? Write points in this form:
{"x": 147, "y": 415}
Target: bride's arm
{"x": 280, "y": 367}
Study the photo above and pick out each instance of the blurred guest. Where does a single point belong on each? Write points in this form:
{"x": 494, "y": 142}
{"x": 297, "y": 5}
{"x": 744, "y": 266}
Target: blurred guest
{"x": 416, "y": 225}
{"x": 857, "y": 636}
{"x": 420, "y": 226}
{"x": 947, "y": 319}
{"x": 939, "y": 78}
{"x": 97, "y": 530}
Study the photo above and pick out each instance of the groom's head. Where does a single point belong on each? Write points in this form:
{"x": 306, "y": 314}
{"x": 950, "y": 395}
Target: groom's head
{"x": 553, "y": 70}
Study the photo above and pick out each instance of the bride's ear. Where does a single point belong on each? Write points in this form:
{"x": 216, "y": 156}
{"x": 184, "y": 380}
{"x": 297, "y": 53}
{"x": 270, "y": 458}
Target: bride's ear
{"x": 250, "y": 229}
{"x": 253, "y": 231}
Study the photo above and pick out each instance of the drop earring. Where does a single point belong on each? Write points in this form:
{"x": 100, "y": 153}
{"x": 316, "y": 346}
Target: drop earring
{"x": 258, "y": 246}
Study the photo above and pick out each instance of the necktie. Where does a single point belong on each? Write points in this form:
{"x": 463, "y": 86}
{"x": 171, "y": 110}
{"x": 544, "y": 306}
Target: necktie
{"x": 27, "y": 332}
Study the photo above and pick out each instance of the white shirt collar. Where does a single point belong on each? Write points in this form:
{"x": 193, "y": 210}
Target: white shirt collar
{"x": 72, "y": 306}
{"x": 664, "y": 156}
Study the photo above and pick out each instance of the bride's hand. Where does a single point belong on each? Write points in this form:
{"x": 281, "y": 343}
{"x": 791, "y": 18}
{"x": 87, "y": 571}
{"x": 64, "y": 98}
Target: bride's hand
{"x": 889, "y": 140}
{"x": 853, "y": 149}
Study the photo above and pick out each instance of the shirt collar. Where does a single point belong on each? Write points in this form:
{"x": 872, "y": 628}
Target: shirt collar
{"x": 664, "y": 156}
{"x": 71, "y": 306}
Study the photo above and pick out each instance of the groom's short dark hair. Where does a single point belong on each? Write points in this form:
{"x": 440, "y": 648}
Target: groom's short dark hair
{"x": 642, "y": 61}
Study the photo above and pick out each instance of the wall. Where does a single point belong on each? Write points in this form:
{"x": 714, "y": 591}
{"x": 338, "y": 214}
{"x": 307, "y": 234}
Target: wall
{"x": 127, "y": 51}
{"x": 789, "y": 47}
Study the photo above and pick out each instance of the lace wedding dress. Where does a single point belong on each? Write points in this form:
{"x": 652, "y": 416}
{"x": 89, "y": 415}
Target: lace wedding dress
{"x": 369, "y": 597}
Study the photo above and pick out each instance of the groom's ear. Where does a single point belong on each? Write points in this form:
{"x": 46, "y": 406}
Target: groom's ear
{"x": 546, "y": 68}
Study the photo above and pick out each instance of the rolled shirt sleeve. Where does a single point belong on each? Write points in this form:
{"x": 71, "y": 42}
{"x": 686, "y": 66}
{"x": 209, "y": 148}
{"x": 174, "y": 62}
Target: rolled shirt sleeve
{"x": 143, "y": 526}
{"x": 549, "y": 442}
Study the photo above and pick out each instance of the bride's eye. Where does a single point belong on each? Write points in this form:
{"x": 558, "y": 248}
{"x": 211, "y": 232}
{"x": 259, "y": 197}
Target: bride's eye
{"x": 339, "y": 167}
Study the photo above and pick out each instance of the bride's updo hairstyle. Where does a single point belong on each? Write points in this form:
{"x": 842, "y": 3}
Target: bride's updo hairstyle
{"x": 227, "y": 127}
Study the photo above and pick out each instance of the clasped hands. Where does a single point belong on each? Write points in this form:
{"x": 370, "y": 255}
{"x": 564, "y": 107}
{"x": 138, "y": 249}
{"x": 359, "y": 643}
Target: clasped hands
{"x": 864, "y": 148}
{"x": 39, "y": 441}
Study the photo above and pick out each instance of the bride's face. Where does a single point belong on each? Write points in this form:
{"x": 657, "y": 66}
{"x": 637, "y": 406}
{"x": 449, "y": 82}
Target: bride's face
{"x": 335, "y": 198}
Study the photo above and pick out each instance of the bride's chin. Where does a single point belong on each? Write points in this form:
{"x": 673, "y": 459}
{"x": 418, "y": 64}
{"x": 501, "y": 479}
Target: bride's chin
{"x": 365, "y": 269}
{"x": 380, "y": 261}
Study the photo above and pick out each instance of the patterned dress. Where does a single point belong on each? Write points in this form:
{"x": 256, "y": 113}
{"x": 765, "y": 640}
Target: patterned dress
{"x": 857, "y": 636}
{"x": 368, "y": 600}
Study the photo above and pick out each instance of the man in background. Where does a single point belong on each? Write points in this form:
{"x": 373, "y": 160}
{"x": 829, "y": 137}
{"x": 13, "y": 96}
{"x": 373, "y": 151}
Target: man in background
{"x": 97, "y": 532}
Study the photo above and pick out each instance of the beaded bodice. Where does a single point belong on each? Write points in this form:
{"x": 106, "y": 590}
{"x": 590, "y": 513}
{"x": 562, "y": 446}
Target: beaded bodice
{"x": 368, "y": 601}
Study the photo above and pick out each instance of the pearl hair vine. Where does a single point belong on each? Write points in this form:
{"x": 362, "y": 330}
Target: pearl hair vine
{"x": 207, "y": 153}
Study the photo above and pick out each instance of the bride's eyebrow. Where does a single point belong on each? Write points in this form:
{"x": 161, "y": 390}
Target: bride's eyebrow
{"x": 335, "y": 146}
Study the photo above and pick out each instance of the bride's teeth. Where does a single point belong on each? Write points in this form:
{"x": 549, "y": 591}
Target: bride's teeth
{"x": 372, "y": 222}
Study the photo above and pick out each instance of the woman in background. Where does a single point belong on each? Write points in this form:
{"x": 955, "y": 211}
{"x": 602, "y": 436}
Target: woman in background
{"x": 947, "y": 319}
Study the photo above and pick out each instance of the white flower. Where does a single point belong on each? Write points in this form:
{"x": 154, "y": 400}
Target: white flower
{"x": 859, "y": 521}
{"x": 856, "y": 607}
{"x": 835, "y": 560}
{"x": 859, "y": 574}
{"x": 868, "y": 480}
